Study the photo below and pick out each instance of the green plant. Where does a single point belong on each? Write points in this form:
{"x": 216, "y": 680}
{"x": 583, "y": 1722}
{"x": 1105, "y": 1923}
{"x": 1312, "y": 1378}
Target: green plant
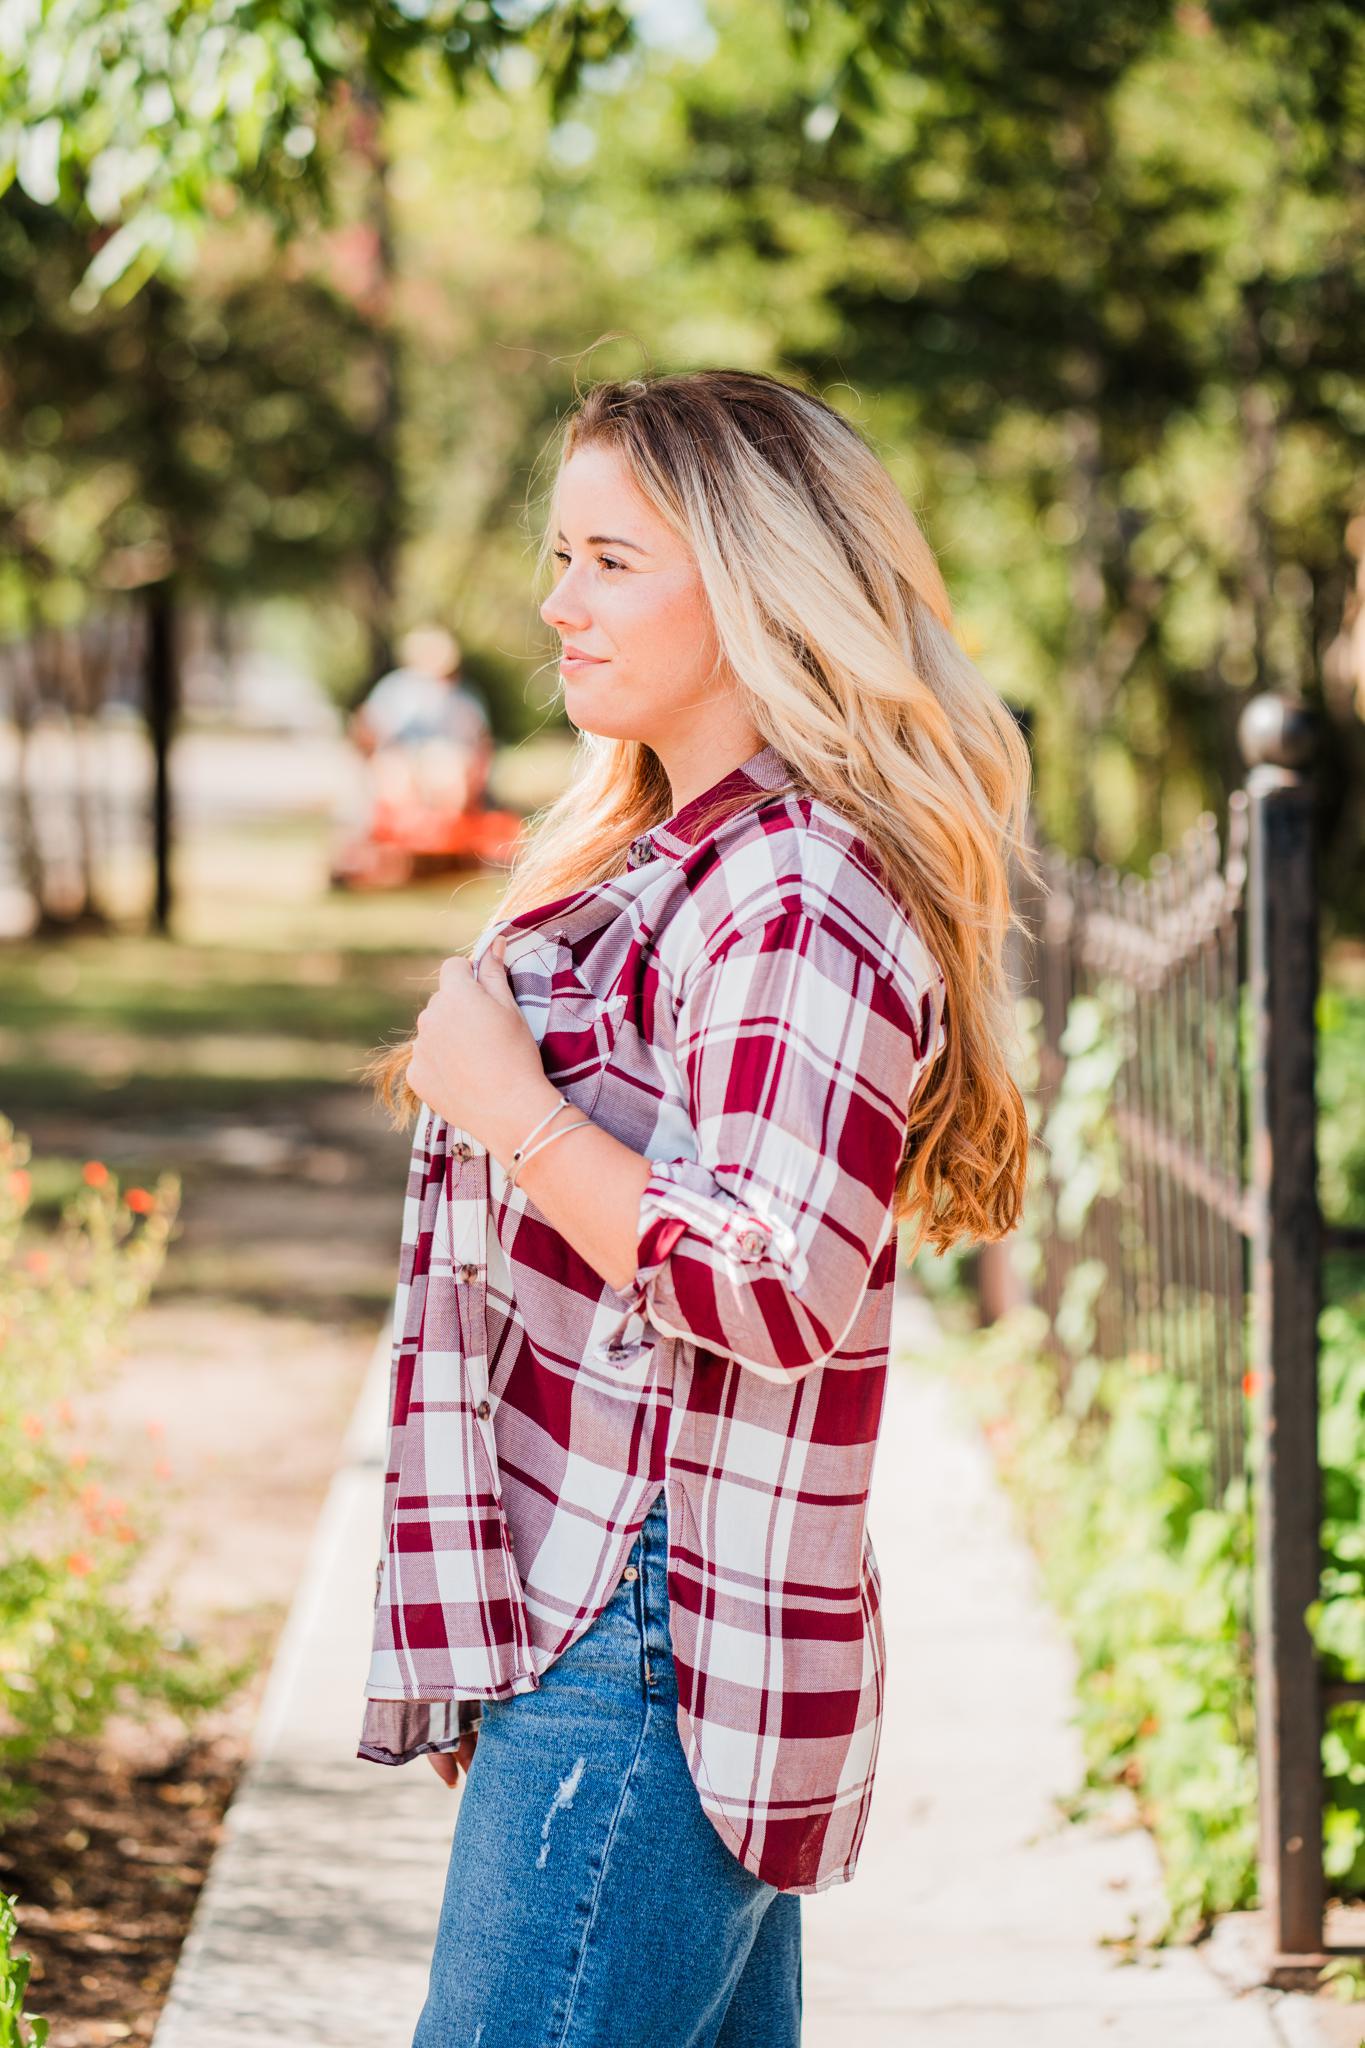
{"x": 71, "y": 1652}
{"x": 18, "y": 2029}
{"x": 1152, "y": 1576}
{"x": 1113, "y": 1480}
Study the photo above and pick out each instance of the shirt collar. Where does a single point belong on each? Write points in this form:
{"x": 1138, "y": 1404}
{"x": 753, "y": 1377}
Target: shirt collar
{"x": 764, "y": 770}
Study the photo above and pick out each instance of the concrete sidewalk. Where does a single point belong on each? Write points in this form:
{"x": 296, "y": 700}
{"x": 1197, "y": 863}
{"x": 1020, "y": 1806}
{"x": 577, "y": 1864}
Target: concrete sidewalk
{"x": 976, "y": 1918}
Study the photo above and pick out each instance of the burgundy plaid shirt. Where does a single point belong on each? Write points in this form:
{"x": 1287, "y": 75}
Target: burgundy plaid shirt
{"x": 750, "y": 1008}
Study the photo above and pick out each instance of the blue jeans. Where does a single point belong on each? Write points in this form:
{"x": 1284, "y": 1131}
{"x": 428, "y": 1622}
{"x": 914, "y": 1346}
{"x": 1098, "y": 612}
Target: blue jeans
{"x": 589, "y": 1902}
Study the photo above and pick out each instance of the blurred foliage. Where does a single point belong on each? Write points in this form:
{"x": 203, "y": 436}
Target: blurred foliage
{"x": 1092, "y": 281}
{"x": 143, "y": 118}
{"x": 221, "y": 436}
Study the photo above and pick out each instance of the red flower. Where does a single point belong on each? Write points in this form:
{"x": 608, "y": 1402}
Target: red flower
{"x": 78, "y": 1561}
{"x": 140, "y": 1202}
{"x": 1251, "y": 1384}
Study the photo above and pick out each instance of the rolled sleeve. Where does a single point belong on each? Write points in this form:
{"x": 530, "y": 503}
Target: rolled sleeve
{"x": 801, "y": 1056}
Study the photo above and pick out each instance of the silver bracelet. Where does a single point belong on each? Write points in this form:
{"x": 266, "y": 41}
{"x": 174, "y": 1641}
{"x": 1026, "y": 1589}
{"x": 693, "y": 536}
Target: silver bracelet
{"x": 550, "y": 1114}
{"x": 562, "y": 1132}
{"x": 520, "y": 1156}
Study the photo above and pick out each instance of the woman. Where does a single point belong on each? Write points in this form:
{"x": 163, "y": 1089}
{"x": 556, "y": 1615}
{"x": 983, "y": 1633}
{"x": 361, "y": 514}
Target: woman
{"x": 744, "y": 1008}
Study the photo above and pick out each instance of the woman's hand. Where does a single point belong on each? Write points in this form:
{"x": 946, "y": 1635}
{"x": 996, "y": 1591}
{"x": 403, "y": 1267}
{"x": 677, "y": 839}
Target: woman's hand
{"x": 448, "y": 1763}
{"x": 475, "y": 1052}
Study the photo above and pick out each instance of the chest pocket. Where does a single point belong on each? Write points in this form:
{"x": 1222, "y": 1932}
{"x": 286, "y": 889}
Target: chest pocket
{"x": 574, "y": 1025}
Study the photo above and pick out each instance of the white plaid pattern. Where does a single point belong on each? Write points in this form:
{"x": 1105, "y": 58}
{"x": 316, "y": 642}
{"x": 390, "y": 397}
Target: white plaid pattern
{"x": 749, "y": 1008}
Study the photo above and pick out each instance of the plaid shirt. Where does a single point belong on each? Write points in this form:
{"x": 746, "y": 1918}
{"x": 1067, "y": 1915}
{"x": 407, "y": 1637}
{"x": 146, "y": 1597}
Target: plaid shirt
{"x": 749, "y": 1008}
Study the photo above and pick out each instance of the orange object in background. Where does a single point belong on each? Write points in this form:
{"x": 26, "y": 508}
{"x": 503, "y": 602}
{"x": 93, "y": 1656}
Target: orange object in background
{"x": 415, "y": 826}
{"x": 467, "y": 835}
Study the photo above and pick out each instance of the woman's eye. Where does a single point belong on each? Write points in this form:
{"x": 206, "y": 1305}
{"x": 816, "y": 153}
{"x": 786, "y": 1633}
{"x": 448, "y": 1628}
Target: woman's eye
{"x": 607, "y": 561}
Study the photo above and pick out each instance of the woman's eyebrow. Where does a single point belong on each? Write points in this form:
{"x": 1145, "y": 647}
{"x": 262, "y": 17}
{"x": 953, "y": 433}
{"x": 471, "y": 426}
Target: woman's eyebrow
{"x": 607, "y": 540}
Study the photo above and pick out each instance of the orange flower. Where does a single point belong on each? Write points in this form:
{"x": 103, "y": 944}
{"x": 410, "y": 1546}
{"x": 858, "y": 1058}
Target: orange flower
{"x": 78, "y": 1561}
{"x": 33, "y": 1425}
{"x": 65, "y": 1411}
{"x": 140, "y": 1202}
{"x": 123, "y": 1534}
{"x": 1251, "y": 1384}
{"x": 20, "y": 1184}
{"x": 155, "y": 1426}
{"x": 79, "y": 1458}
{"x": 94, "y": 1173}
{"x": 163, "y": 1468}
{"x": 90, "y": 1494}
{"x": 36, "y": 1262}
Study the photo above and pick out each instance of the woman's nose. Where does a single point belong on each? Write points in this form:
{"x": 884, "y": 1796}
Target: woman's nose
{"x": 561, "y": 607}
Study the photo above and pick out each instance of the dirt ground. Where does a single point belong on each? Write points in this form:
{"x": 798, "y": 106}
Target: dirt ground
{"x": 229, "y": 1410}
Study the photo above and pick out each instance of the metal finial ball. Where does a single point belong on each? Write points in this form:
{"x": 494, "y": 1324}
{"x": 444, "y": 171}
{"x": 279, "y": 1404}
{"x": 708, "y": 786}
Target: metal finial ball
{"x": 1280, "y": 732}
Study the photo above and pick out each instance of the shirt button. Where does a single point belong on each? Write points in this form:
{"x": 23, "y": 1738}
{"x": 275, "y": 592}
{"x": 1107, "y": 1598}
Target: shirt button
{"x": 469, "y": 1272}
{"x": 641, "y": 850}
{"x": 751, "y": 1244}
{"x": 484, "y": 1409}
{"x": 630, "y": 1574}
{"x": 463, "y": 1151}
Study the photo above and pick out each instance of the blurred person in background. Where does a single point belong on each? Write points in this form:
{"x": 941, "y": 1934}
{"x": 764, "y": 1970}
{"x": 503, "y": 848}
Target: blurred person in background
{"x": 427, "y": 746}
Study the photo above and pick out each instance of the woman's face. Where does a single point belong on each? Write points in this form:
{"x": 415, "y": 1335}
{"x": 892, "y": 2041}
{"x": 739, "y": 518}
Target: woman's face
{"x": 630, "y": 597}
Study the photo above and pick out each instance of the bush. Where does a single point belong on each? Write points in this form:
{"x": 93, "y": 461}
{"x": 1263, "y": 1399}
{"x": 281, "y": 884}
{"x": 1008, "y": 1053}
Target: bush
{"x": 1152, "y": 1576}
{"x": 71, "y": 1653}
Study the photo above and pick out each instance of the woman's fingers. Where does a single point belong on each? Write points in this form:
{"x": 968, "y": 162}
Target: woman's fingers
{"x": 448, "y": 1763}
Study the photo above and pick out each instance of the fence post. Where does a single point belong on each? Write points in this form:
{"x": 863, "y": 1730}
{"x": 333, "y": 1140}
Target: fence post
{"x": 1276, "y": 737}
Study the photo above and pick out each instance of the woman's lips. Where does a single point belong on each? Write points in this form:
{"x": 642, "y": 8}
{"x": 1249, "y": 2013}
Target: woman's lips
{"x": 578, "y": 661}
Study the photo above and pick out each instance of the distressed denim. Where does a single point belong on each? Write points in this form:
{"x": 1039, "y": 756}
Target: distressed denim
{"x": 589, "y": 1902}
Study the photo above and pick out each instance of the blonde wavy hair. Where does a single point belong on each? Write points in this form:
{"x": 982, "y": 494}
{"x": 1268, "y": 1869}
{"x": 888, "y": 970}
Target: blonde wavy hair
{"x": 832, "y": 614}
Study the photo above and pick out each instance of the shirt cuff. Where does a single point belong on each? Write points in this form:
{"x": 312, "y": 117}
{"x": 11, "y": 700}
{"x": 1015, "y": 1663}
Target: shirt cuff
{"x": 736, "y": 1240}
{"x": 395, "y": 1731}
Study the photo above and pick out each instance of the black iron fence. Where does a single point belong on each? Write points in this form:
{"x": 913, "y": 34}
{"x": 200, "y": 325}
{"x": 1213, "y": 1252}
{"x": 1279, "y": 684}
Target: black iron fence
{"x": 1197, "y": 1239}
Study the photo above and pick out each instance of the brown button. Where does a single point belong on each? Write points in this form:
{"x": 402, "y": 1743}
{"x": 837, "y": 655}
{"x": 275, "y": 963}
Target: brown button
{"x": 630, "y": 1574}
{"x": 469, "y": 1272}
{"x": 484, "y": 1409}
{"x": 463, "y": 1151}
